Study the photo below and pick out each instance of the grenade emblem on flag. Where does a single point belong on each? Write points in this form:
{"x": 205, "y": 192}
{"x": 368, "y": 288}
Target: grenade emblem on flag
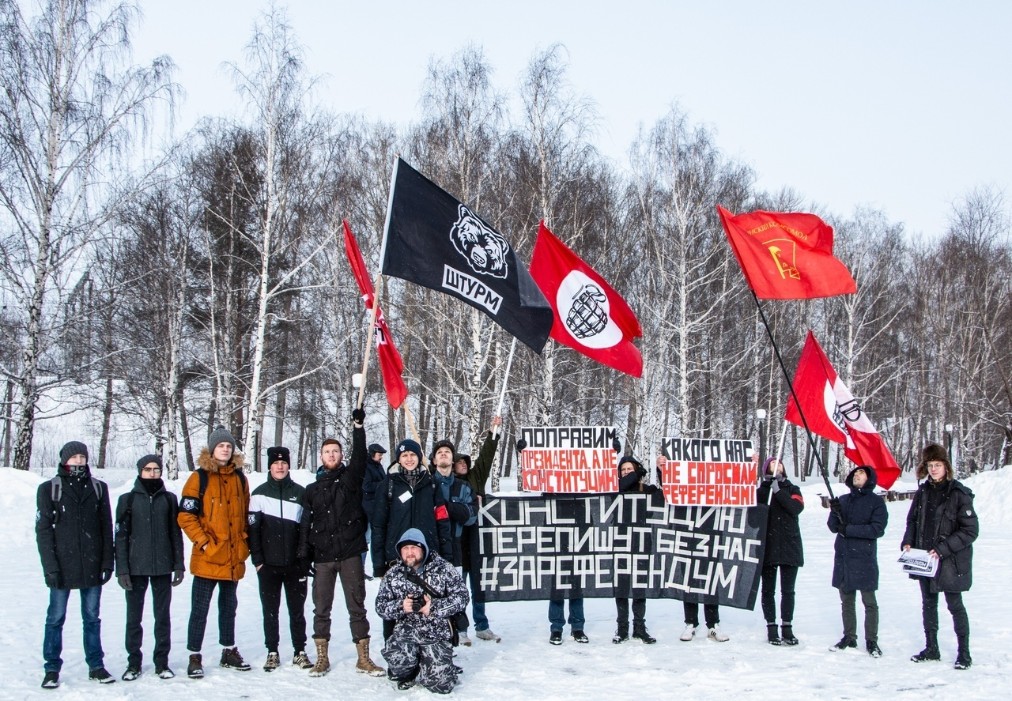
{"x": 587, "y": 317}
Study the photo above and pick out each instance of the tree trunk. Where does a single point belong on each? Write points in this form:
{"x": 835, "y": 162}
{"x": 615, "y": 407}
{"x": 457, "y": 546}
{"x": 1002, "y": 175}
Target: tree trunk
{"x": 103, "y": 443}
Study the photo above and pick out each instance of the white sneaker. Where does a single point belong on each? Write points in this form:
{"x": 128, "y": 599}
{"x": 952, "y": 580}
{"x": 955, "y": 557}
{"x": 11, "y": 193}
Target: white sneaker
{"x": 688, "y": 634}
{"x": 487, "y": 634}
{"x": 717, "y": 635}
{"x": 463, "y": 639}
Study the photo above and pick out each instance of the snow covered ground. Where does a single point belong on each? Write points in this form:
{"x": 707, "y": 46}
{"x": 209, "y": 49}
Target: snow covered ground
{"x": 524, "y": 665}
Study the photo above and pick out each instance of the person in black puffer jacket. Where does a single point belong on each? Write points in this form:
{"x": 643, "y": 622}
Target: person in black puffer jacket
{"x": 859, "y": 519}
{"x": 275, "y": 514}
{"x": 784, "y": 551}
{"x": 632, "y": 480}
{"x": 333, "y": 538}
{"x": 149, "y": 551}
{"x": 942, "y": 521}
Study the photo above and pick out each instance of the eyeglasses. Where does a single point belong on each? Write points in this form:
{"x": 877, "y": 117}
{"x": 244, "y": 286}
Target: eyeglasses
{"x": 156, "y": 471}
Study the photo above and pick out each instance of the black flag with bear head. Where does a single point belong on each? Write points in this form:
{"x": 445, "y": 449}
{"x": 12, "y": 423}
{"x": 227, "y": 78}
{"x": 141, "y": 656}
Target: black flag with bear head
{"x": 435, "y": 241}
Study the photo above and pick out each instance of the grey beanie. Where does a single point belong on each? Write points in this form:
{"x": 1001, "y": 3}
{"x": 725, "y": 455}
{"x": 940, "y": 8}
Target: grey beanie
{"x": 71, "y": 449}
{"x": 219, "y": 435}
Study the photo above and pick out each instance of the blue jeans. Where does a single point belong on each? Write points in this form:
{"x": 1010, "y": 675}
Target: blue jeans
{"x": 557, "y": 614}
{"x": 52, "y": 641}
{"x": 477, "y": 600}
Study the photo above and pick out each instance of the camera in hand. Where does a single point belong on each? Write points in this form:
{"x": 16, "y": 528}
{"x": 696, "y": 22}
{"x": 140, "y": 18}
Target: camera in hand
{"x": 417, "y": 602}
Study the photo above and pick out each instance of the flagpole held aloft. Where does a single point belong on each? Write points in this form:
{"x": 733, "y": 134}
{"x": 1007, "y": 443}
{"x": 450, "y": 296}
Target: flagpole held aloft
{"x": 808, "y": 432}
{"x": 368, "y": 339}
{"x": 505, "y": 379}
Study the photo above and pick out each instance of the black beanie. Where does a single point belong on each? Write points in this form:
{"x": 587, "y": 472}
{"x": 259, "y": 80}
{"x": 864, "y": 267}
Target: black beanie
{"x": 71, "y": 449}
{"x": 157, "y": 459}
{"x": 278, "y": 452}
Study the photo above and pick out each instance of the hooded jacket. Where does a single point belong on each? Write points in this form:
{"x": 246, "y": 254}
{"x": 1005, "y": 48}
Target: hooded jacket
{"x": 952, "y": 535}
{"x": 855, "y": 559}
{"x": 783, "y": 530}
{"x": 333, "y": 521}
{"x": 74, "y": 535}
{"x": 149, "y": 542}
{"x": 220, "y": 522}
{"x": 375, "y": 473}
{"x": 275, "y": 512}
{"x": 440, "y": 576}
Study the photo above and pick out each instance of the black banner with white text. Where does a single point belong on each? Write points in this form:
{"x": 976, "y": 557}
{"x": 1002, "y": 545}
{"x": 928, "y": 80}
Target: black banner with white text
{"x": 619, "y": 545}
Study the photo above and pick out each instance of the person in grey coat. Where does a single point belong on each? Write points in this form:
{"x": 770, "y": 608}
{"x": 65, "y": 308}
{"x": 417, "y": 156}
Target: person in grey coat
{"x": 859, "y": 519}
{"x": 420, "y": 594}
{"x": 943, "y": 521}
{"x": 149, "y": 551}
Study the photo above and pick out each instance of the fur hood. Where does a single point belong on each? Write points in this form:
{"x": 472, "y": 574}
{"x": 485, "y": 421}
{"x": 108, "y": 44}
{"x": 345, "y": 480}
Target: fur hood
{"x": 207, "y": 463}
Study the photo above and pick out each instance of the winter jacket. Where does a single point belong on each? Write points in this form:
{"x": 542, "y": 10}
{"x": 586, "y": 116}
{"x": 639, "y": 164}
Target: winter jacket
{"x": 441, "y": 577}
{"x": 855, "y": 562}
{"x": 462, "y": 507}
{"x": 783, "y": 532}
{"x": 955, "y": 528}
{"x": 375, "y": 473}
{"x": 149, "y": 542}
{"x": 74, "y": 535}
{"x": 333, "y": 522}
{"x": 275, "y": 515}
{"x": 399, "y": 506}
{"x": 219, "y": 523}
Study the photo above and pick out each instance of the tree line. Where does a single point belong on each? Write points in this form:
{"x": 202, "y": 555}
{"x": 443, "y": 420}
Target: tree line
{"x": 205, "y": 282}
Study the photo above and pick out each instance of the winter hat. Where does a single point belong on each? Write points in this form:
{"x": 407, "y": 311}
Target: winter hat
{"x": 71, "y": 449}
{"x": 413, "y": 536}
{"x": 465, "y": 457}
{"x": 869, "y": 473}
{"x": 933, "y": 452}
{"x": 219, "y": 435}
{"x": 443, "y": 444}
{"x": 407, "y": 446}
{"x": 157, "y": 459}
{"x": 376, "y": 448}
{"x": 278, "y": 452}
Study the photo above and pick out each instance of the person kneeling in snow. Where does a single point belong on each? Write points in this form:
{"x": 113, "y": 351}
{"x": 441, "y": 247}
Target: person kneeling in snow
{"x": 420, "y": 594}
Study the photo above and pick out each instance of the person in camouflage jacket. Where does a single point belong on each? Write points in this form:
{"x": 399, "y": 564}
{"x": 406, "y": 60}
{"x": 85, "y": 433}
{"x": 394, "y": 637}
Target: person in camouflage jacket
{"x": 420, "y": 594}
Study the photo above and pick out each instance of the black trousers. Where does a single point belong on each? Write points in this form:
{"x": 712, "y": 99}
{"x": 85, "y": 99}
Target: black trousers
{"x": 201, "y": 591}
{"x": 929, "y": 613}
{"x": 711, "y": 613}
{"x": 788, "y": 576}
{"x": 161, "y": 599}
{"x": 294, "y": 581}
{"x": 639, "y": 610}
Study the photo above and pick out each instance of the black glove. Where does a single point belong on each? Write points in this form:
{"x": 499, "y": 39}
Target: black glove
{"x": 834, "y": 506}
{"x": 521, "y": 445}
{"x": 379, "y": 570}
{"x": 358, "y": 415}
{"x": 616, "y": 446}
{"x": 124, "y": 581}
{"x": 842, "y": 530}
{"x": 177, "y": 578}
{"x": 106, "y": 576}
{"x": 308, "y": 568}
{"x": 53, "y": 580}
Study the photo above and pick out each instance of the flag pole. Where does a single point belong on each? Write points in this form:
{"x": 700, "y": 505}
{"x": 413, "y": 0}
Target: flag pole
{"x": 368, "y": 338}
{"x": 808, "y": 432}
{"x": 505, "y": 380}
{"x": 780, "y": 447}
{"x": 414, "y": 431}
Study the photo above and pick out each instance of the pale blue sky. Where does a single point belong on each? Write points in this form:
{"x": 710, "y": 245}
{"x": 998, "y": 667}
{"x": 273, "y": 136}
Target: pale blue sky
{"x": 902, "y": 106}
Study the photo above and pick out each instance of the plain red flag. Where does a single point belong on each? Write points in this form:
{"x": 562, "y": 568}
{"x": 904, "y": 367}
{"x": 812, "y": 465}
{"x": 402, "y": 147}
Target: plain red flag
{"x": 786, "y": 255}
{"x": 833, "y": 413}
{"x": 590, "y": 316}
{"x": 391, "y": 365}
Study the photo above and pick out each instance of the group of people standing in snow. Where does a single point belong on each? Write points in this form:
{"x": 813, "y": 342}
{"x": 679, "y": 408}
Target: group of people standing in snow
{"x": 422, "y": 525}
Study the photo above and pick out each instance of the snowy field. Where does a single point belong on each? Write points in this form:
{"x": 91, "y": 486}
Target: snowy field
{"x": 524, "y": 666}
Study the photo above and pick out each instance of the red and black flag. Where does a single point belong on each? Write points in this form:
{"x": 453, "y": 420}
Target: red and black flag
{"x": 786, "y": 255}
{"x": 435, "y": 241}
{"x": 590, "y": 316}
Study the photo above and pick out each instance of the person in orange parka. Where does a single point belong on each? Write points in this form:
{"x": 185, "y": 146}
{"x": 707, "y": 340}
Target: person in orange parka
{"x": 215, "y": 522}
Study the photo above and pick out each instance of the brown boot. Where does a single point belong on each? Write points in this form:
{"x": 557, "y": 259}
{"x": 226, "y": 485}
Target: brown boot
{"x": 322, "y": 665}
{"x": 365, "y": 664}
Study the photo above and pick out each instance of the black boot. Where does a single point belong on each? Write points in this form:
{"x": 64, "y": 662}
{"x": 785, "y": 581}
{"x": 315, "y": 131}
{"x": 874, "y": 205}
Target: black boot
{"x": 772, "y": 637}
{"x": 787, "y": 634}
{"x": 930, "y": 652}
{"x": 640, "y": 633}
{"x": 621, "y": 633}
{"x": 963, "y": 660}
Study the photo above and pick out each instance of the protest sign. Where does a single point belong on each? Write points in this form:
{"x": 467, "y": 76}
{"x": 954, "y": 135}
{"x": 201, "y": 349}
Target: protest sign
{"x": 708, "y": 472}
{"x": 569, "y": 459}
{"x": 618, "y": 545}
